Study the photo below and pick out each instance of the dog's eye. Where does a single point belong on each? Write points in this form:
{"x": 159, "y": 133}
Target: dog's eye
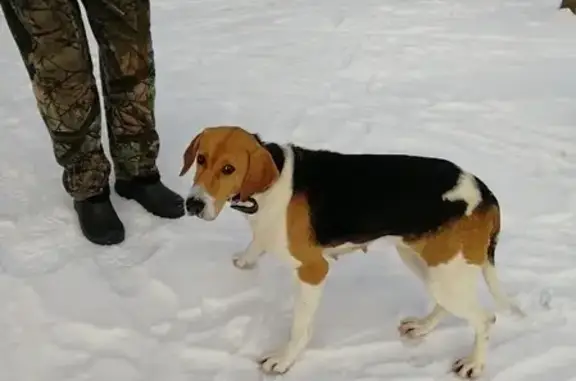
{"x": 201, "y": 159}
{"x": 228, "y": 169}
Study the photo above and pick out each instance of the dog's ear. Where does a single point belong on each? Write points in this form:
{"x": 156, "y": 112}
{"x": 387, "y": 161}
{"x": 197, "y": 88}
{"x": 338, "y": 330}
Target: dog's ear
{"x": 261, "y": 173}
{"x": 258, "y": 139}
{"x": 190, "y": 154}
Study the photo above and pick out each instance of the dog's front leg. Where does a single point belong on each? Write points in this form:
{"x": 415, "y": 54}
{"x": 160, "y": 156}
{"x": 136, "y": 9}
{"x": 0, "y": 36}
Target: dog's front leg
{"x": 310, "y": 280}
{"x": 248, "y": 258}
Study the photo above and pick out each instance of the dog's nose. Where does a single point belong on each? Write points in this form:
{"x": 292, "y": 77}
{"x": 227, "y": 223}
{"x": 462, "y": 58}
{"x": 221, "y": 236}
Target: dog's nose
{"x": 194, "y": 206}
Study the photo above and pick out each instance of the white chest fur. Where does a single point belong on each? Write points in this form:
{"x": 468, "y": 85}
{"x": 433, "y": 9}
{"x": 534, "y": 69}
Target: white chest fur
{"x": 268, "y": 225}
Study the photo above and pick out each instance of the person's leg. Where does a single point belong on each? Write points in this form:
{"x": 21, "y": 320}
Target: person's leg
{"x": 52, "y": 42}
{"x": 122, "y": 29}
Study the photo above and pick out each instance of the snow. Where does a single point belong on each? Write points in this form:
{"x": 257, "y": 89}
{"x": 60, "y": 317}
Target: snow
{"x": 487, "y": 84}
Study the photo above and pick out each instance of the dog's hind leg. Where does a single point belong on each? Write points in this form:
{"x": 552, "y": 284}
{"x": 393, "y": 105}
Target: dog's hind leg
{"x": 453, "y": 286}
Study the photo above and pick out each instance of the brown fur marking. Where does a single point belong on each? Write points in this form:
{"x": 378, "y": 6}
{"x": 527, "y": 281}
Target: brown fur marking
{"x": 469, "y": 235}
{"x": 262, "y": 173}
{"x": 314, "y": 266}
{"x": 314, "y": 272}
{"x": 190, "y": 154}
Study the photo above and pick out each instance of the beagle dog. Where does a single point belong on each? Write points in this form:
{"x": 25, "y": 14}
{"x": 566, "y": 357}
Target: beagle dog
{"x": 308, "y": 206}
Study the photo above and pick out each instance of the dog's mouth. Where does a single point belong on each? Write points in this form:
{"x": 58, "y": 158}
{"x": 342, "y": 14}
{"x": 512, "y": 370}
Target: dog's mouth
{"x": 250, "y": 206}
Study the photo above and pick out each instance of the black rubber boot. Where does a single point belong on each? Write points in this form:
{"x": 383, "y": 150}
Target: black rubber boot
{"x": 152, "y": 195}
{"x": 98, "y": 220}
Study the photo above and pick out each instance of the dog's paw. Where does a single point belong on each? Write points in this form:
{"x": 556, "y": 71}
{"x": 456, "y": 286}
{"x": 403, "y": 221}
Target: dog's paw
{"x": 241, "y": 261}
{"x": 413, "y": 328}
{"x": 275, "y": 364}
{"x": 468, "y": 368}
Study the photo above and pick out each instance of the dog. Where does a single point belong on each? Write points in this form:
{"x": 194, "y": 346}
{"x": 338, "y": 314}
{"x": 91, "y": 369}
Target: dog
{"x": 308, "y": 206}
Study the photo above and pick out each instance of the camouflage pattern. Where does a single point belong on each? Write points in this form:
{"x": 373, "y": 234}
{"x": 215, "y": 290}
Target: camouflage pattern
{"x": 51, "y": 38}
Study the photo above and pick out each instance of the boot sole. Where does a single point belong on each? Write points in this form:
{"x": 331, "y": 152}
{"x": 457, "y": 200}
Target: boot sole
{"x": 104, "y": 241}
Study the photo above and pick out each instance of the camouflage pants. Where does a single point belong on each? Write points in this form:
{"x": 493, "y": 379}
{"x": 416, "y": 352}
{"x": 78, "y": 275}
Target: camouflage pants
{"x": 51, "y": 38}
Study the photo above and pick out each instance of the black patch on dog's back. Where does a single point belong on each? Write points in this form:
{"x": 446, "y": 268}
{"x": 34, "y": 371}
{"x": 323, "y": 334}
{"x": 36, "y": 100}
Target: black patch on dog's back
{"x": 361, "y": 197}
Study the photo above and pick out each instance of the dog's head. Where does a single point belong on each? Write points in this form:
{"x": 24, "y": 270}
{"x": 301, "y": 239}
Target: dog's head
{"x": 230, "y": 161}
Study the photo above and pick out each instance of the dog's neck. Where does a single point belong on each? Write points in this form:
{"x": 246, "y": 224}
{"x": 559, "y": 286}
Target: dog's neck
{"x": 277, "y": 155}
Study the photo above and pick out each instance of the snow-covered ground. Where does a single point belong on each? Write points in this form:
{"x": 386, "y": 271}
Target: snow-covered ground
{"x": 490, "y": 84}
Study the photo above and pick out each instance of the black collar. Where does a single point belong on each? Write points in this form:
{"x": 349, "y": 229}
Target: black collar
{"x": 250, "y": 206}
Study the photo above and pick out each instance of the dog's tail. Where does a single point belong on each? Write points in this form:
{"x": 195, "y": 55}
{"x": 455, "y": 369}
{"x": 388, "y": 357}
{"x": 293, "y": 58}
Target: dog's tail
{"x": 503, "y": 302}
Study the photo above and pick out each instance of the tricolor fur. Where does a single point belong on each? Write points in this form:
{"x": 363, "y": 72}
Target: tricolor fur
{"x": 318, "y": 204}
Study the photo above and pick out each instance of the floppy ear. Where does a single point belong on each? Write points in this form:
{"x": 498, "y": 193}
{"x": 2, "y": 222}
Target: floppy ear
{"x": 190, "y": 154}
{"x": 258, "y": 139}
{"x": 261, "y": 173}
